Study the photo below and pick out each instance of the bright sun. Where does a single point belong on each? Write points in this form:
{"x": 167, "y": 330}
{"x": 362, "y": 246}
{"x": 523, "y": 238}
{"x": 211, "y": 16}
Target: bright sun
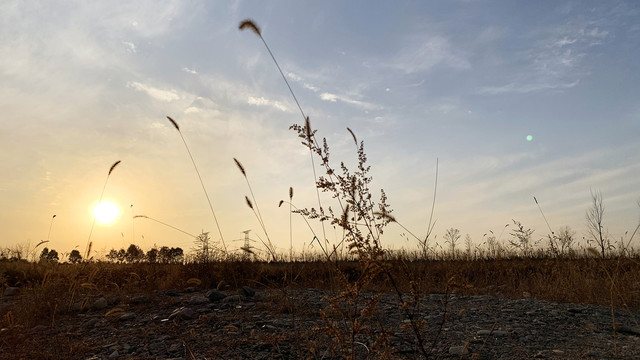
{"x": 106, "y": 212}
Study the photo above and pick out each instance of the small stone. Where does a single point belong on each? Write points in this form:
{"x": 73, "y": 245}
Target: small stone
{"x": 183, "y": 313}
{"x": 11, "y": 291}
{"x": 141, "y": 299}
{"x": 247, "y": 291}
{"x": 233, "y": 298}
{"x": 127, "y": 316}
{"x": 175, "y": 347}
{"x": 100, "y": 304}
{"x": 114, "y": 354}
{"x": 198, "y": 299}
{"x": 172, "y": 292}
{"x": 78, "y": 307}
{"x": 215, "y": 295}
{"x": 526, "y": 294}
{"x": 89, "y": 324}
{"x": 621, "y": 329}
{"x": 483, "y": 332}
{"x": 499, "y": 333}
{"x": 37, "y": 329}
{"x": 458, "y": 350}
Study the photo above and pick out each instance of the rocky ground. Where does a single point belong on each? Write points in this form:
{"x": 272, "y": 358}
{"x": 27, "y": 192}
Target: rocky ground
{"x": 287, "y": 324}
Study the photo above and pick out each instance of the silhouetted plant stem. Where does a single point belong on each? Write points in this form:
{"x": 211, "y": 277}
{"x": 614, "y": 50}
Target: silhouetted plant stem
{"x": 93, "y": 222}
{"x": 175, "y": 124}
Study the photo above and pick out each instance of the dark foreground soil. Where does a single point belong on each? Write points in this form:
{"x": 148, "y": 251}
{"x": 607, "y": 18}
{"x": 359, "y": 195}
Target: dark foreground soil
{"x": 288, "y": 324}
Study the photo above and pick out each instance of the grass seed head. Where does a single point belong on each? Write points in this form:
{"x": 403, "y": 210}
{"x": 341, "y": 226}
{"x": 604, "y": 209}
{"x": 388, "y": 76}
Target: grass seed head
{"x": 249, "y": 24}
{"x": 240, "y": 167}
{"x": 175, "y": 124}
{"x": 113, "y": 166}
{"x": 248, "y": 202}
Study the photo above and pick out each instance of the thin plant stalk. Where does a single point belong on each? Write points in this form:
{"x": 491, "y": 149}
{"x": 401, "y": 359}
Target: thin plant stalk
{"x": 544, "y": 217}
{"x": 175, "y": 124}
{"x": 290, "y": 225}
{"x": 163, "y": 223}
{"x": 431, "y": 224}
{"x": 250, "y": 24}
{"x": 50, "y": 226}
{"x": 93, "y": 222}
{"x": 269, "y": 246}
{"x": 255, "y": 202}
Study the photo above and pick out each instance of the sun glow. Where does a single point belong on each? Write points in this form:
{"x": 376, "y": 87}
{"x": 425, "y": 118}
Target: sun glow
{"x": 106, "y": 212}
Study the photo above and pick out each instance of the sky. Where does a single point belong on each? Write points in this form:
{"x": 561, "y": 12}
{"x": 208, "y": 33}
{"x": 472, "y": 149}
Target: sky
{"x": 511, "y": 100}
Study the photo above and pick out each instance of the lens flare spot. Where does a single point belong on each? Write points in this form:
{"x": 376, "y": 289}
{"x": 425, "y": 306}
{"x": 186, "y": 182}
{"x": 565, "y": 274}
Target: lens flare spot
{"x": 529, "y": 137}
{"x": 106, "y": 212}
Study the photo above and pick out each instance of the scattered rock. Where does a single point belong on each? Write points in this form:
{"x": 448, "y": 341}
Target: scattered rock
{"x": 198, "y": 299}
{"x": 11, "y": 291}
{"x": 215, "y": 295}
{"x": 114, "y": 354}
{"x": 247, "y": 291}
{"x": 458, "y": 350}
{"x": 100, "y": 304}
{"x": 621, "y": 329}
{"x": 233, "y": 299}
{"x": 90, "y": 323}
{"x": 127, "y": 316}
{"x": 175, "y": 347}
{"x": 183, "y": 313}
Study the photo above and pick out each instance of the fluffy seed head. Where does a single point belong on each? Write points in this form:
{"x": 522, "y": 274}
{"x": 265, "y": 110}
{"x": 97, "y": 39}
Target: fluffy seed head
{"x": 240, "y": 167}
{"x": 290, "y": 193}
{"x": 249, "y": 24}
{"x": 354, "y": 136}
{"x": 307, "y": 128}
{"x": 113, "y": 166}
{"x": 174, "y": 123}
{"x": 248, "y": 202}
{"x": 280, "y": 203}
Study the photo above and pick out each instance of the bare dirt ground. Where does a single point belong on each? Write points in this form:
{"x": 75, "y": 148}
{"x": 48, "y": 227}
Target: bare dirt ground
{"x": 288, "y": 324}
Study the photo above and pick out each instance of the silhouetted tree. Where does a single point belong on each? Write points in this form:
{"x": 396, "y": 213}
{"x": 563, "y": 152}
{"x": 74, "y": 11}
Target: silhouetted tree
{"x": 49, "y": 255}
{"x": 595, "y": 224}
{"x": 75, "y": 257}
{"x": 152, "y": 256}
{"x": 452, "y": 236}
{"x": 134, "y": 254}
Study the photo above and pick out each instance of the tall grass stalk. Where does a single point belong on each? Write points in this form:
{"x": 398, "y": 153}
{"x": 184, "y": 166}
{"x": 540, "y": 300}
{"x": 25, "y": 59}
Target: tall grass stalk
{"x": 50, "y": 226}
{"x": 175, "y": 124}
{"x": 93, "y": 222}
{"x": 251, "y": 25}
{"x": 251, "y": 205}
{"x": 163, "y": 223}
{"x": 424, "y": 243}
{"x": 544, "y": 217}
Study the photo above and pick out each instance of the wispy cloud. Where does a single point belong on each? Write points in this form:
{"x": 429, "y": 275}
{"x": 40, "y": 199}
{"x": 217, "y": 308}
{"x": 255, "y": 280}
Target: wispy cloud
{"x": 159, "y": 94}
{"x": 326, "y": 96}
{"x": 261, "y": 101}
{"x": 554, "y": 62}
{"x": 189, "y": 71}
{"x": 421, "y": 54}
{"x": 131, "y": 47}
